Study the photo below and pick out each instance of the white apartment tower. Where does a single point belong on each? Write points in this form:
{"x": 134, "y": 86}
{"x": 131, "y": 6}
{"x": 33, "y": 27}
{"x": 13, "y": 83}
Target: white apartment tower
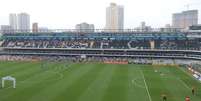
{"x": 23, "y": 22}
{"x": 114, "y": 18}
{"x": 185, "y": 19}
{"x": 13, "y": 21}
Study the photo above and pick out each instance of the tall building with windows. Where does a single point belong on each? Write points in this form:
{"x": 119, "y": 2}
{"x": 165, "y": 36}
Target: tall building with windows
{"x": 23, "y": 22}
{"x": 114, "y": 18}
{"x": 143, "y": 27}
{"x": 185, "y": 19}
{"x": 84, "y": 27}
{"x": 35, "y": 27}
{"x": 6, "y": 29}
{"x": 13, "y": 21}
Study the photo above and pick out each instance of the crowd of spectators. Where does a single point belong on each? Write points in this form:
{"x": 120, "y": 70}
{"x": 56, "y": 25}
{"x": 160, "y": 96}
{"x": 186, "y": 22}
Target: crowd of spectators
{"x": 18, "y": 58}
{"x": 106, "y": 44}
{"x": 76, "y": 59}
{"x": 47, "y": 44}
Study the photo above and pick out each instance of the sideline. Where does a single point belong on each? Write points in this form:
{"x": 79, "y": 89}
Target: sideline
{"x": 146, "y": 86}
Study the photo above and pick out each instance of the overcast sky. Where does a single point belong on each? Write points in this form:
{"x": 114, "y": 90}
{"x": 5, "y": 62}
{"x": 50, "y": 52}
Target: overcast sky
{"x": 65, "y": 14}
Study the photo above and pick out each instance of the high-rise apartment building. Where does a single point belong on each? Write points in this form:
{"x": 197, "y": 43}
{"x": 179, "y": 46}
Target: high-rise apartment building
{"x": 114, "y": 18}
{"x": 13, "y": 21}
{"x": 143, "y": 27}
{"x": 35, "y": 27}
{"x": 23, "y": 22}
{"x": 19, "y": 22}
{"x": 84, "y": 27}
{"x": 6, "y": 29}
{"x": 185, "y": 19}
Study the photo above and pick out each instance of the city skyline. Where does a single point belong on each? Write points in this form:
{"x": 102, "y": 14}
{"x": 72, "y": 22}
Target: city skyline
{"x": 65, "y": 15}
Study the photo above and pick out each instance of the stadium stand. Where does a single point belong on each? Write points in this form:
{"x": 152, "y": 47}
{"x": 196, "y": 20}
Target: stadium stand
{"x": 147, "y": 45}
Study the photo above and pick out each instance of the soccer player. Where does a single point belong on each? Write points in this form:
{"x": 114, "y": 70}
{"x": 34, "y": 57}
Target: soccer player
{"x": 193, "y": 90}
{"x": 187, "y": 98}
{"x": 164, "y": 97}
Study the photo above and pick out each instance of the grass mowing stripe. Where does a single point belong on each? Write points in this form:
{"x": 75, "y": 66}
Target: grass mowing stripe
{"x": 5, "y": 64}
{"x": 97, "y": 88}
{"x": 11, "y": 66}
{"x": 73, "y": 91}
{"x": 60, "y": 86}
{"x": 37, "y": 72}
{"x": 30, "y": 72}
{"x": 57, "y": 86}
{"x": 147, "y": 89}
{"x": 34, "y": 96}
{"x": 15, "y": 68}
{"x": 24, "y": 73}
{"x": 117, "y": 89}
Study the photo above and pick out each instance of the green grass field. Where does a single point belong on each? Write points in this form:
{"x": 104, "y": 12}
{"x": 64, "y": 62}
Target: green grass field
{"x": 96, "y": 82}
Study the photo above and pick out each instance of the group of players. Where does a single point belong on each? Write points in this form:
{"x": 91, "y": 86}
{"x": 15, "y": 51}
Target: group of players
{"x": 164, "y": 96}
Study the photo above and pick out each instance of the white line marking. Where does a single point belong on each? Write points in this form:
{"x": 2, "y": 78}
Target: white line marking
{"x": 189, "y": 74}
{"x": 136, "y": 84}
{"x": 184, "y": 84}
{"x": 146, "y": 86}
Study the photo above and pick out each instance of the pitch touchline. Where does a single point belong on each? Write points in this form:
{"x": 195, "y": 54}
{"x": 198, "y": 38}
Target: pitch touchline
{"x": 188, "y": 74}
{"x": 146, "y": 86}
{"x": 183, "y": 81}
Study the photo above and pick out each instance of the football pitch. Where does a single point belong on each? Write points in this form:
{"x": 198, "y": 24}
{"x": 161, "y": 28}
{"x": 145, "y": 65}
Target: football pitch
{"x": 37, "y": 81}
